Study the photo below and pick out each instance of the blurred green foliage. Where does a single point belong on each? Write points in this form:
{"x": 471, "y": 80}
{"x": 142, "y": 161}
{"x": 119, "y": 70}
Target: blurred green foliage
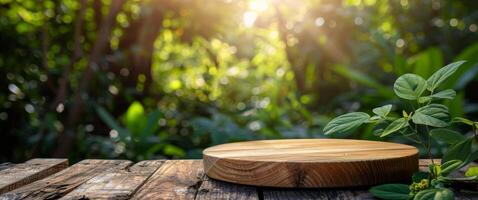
{"x": 167, "y": 78}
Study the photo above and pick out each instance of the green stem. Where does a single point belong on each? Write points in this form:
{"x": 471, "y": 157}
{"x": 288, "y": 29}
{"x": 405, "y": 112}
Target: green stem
{"x": 431, "y": 93}
{"x": 425, "y": 146}
{"x": 429, "y": 151}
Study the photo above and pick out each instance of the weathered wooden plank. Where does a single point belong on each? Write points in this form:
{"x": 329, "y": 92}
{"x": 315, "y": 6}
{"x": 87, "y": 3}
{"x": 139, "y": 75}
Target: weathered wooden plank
{"x": 59, "y": 184}
{"x": 28, "y": 172}
{"x": 329, "y": 194}
{"x": 466, "y": 196}
{"x": 214, "y": 189}
{"x": 6, "y": 165}
{"x": 175, "y": 179}
{"x": 116, "y": 184}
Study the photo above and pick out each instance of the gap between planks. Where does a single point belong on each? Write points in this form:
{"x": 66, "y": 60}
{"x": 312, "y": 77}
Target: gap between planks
{"x": 178, "y": 179}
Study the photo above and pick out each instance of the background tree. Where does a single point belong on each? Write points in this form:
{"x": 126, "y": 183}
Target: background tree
{"x": 160, "y": 78}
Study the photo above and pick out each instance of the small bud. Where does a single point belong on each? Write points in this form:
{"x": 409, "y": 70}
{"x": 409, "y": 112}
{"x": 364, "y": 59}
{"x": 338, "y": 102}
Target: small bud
{"x": 404, "y": 113}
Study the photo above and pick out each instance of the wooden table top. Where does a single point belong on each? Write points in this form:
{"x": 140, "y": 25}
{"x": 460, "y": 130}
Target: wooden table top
{"x": 310, "y": 150}
{"x": 152, "y": 179}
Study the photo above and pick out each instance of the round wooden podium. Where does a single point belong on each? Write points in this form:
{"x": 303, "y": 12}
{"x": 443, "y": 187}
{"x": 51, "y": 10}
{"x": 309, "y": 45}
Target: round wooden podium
{"x": 308, "y": 163}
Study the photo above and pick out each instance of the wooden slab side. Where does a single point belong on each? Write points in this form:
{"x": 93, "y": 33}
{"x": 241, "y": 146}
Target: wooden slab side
{"x": 61, "y": 183}
{"x": 116, "y": 184}
{"x": 22, "y": 174}
{"x": 311, "y": 163}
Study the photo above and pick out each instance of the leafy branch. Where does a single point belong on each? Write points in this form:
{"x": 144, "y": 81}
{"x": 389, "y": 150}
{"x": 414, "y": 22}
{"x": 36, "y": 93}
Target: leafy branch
{"x": 427, "y": 121}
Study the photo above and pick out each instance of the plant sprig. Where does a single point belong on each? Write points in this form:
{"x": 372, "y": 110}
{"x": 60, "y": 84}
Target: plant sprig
{"x": 427, "y": 121}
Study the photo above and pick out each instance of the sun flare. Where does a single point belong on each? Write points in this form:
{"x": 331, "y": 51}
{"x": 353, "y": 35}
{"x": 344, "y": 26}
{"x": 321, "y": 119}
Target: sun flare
{"x": 255, "y": 7}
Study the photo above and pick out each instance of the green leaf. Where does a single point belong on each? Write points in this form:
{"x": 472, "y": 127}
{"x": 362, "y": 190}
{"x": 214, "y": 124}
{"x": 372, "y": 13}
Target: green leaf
{"x": 395, "y": 126}
{"x": 471, "y": 171}
{"x": 441, "y": 75}
{"x": 428, "y": 194}
{"x": 431, "y": 115}
{"x": 448, "y": 178}
{"x": 435, "y": 194}
{"x": 382, "y": 111}
{"x": 346, "y": 122}
{"x": 172, "y": 150}
{"x": 462, "y": 120}
{"x": 470, "y": 158}
{"x": 445, "y": 94}
{"x": 444, "y": 194}
{"x": 459, "y": 151}
{"x": 375, "y": 118}
{"x": 450, "y": 166}
{"x": 135, "y": 119}
{"x": 420, "y": 118}
{"x": 447, "y": 136}
{"x": 391, "y": 191}
{"x": 152, "y": 123}
{"x": 409, "y": 86}
{"x": 434, "y": 169}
